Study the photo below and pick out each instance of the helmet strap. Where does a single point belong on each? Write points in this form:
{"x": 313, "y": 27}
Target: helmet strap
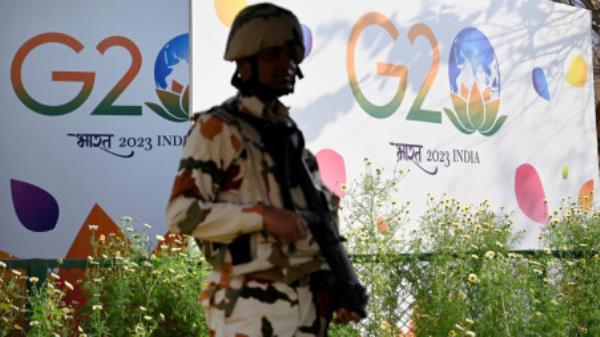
{"x": 299, "y": 73}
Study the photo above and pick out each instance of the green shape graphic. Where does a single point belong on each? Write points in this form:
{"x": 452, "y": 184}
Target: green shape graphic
{"x": 565, "y": 172}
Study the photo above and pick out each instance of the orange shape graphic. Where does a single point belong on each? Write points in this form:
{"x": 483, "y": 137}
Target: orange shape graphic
{"x": 5, "y": 255}
{"x": 586, "y": 195}
{"x": 176, "y": 86}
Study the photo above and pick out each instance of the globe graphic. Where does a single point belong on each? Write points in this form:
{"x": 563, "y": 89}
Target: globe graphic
{"x": 472, "y": 59}
{"x": 171, "y": 75}
{"x": 169, "y": 66}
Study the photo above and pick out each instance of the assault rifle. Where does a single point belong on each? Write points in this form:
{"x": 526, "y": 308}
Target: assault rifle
{"x": 347, "y": 291}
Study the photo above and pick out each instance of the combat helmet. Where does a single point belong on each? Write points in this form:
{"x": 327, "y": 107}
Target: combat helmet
{"x": 259, "y": 27}
{"x": 264, "y": 26}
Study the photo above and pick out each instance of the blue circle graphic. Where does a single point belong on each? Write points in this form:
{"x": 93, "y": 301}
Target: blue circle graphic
{"x": 472, "y": 59}
{"x": 170, "y": 56}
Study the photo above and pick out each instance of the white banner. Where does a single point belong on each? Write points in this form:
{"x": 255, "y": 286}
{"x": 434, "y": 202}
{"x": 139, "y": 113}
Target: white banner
{"x": 93, "y": 95}
{"x": 479, "y": 99}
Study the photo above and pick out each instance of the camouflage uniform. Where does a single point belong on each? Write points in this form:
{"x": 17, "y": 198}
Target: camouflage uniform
{"x": 258, "y": 286}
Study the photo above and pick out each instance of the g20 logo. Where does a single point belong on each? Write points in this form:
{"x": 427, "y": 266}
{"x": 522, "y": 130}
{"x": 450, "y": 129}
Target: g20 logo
{"x": 472, "y": 69}
{"x": 173, "y": 95}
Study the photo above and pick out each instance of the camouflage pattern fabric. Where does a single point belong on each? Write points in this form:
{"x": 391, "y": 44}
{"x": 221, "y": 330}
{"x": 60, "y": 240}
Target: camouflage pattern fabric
{"x": 224, "y": 180}
{"x": 246, "y": 307}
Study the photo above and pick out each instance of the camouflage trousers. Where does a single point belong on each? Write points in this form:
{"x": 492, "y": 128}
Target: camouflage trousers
{"x": 243, "y": 307}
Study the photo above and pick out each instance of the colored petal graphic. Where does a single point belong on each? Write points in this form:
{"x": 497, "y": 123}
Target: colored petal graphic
{"x": 457, "y": 123}
{"x": 171, "y": 101}
{"x": 586, "y": 195}
{"x": 464, "y": 92}
{"x": 176, "y": 105}
{"x": 476, "y": 107}
{"x": 540, "y": 84}
{"x": 496, "y": 126}
{"x": 176, "y": 87}
{"x": 184, "y": 102}
{"x": 36, "y": 208}
{"x": 491, "y": 112}
{"x": 460, "y": 105}
{"x": 530, "y": 193}
{"x": 332, "y": 169}
{"x": 577, "y": 75}
{"x": 228, "y": 9}
{"x": 565, "y": 172}
{"x": 159, "y": 110}
{"x": 308, "y": 40}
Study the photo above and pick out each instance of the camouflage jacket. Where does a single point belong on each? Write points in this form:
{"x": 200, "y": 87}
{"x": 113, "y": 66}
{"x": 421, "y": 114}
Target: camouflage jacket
{"x": 224, "y": 180}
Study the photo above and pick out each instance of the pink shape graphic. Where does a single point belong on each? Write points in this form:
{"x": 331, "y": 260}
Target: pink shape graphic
{"x": 530, "y": 193}
{"x": 332, "y": 169}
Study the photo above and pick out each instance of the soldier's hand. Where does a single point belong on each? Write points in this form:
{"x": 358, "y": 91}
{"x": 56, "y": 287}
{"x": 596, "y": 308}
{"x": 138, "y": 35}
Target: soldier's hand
{"x": 344, "y": 316}
{"x": 285, "y": 225}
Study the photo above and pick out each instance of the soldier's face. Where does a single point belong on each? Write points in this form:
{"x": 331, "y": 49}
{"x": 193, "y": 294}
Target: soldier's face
{"x": 277, "y": 69}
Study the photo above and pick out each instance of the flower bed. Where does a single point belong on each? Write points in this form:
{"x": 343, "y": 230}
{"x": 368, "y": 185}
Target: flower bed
{"x": 459, "y": 279}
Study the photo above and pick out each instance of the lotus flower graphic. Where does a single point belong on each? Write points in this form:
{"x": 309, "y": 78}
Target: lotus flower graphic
{"x": 475, "y": 84}
{"x": 170, "y": 71}
{"x": 475, "y": 111}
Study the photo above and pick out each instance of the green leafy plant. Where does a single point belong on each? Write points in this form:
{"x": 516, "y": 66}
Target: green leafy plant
{"x": 133, "y": 291}
{"x": 12, "y": 301}
{"x": 455, "y": 274}
{"x": 372, "y": 219}
{"x": 49, "y": 314}
{"x": 574, "y": 231}
{"x": 472, "y": 285}
{"x": 40, "y": 311}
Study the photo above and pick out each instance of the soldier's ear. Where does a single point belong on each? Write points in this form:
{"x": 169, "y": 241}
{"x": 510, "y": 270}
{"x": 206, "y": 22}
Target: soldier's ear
{"x": 244, "y": 69}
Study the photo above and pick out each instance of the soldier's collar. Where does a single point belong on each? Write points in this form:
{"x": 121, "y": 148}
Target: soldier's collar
{"x": 254, "y": 106}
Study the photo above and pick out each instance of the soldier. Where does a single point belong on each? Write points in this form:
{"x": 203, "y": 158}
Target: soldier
{"x": 231, "y": 196}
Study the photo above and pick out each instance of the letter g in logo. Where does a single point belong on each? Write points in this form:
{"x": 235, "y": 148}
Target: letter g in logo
{"x": 385, "y": 69}
{"x": 87, "y": 78}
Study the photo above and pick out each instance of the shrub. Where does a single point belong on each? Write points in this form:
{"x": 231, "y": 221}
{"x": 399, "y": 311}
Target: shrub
{"x": 452, "y": 276}
{"x": 133, "y": 291}
{"x": 574, "y": 232}
{"x": 12, "y": 302}
{"x": 372, "y": 218}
